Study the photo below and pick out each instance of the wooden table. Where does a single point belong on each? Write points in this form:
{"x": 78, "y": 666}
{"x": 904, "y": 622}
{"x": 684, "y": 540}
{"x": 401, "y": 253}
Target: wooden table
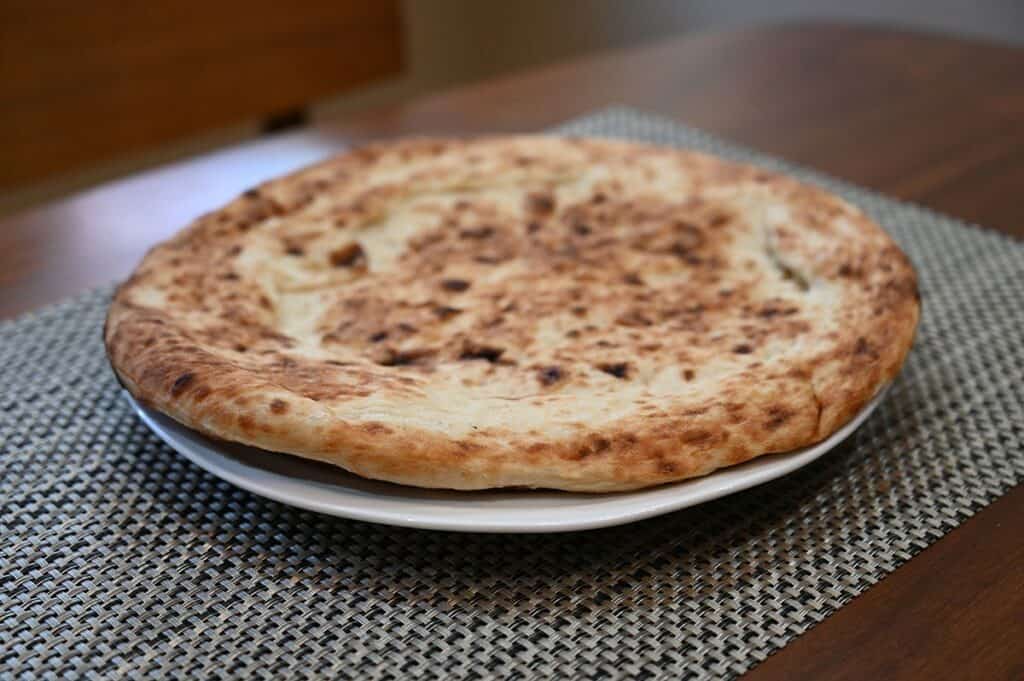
{"x": 932, "y": 119}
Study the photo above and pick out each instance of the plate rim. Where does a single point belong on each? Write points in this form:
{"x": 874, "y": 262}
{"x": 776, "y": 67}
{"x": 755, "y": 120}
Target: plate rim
{"x": 731, "y": 480}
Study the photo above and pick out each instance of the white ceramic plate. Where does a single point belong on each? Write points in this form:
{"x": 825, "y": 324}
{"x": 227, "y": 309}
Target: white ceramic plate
{"x": 326, "y": 489}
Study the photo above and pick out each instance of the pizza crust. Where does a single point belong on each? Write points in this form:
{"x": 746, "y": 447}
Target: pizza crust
{"x": 575, "y": 314}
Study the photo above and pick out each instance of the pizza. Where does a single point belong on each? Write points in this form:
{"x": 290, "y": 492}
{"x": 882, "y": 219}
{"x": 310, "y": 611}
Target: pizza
{"x": 520, "y": 311}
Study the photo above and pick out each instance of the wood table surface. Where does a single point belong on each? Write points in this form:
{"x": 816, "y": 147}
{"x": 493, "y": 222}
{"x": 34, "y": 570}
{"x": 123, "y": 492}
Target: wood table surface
{"x": 932, "y": 119}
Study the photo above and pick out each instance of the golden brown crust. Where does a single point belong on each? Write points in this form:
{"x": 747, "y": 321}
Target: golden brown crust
{"x": 520, "y": 311}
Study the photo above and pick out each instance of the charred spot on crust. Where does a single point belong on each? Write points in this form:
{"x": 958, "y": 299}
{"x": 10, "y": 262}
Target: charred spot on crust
{"x": 486, "y": 352}
{"x": 258, "y": 209}
{"x": 234, "y": 250}
{"x": 688, "y": 236}
{"x": 633, "y": 318}
{"x": 550, "y": 375}
{"x": 455, "y": 285}
{"x": 633, "y": 279}
{"x": 348, "y": 255}
{"x": 616, "y": 369}
{"x": 240, "y": 347}
{"x": 540, "y": 203}
{"x": 376, "y": 428}
{"x": 396, "y": 358}
{"x": 294, "y": 249}
{"x": 776, "y": 417}
{"x": 719, "y": 219}
{"x": 578, "y": 310}
{"x": 279, "y": 338}
{"x": 680, "y": 249}
{"x": 532, "y": 227}
{"x": 278, "y": 406}
{"x": 769, "y": 311}
{"x": 863, "y": 347}
{"x": 785, "y": 270}
{"x": 694, "y": 437}
{"x": 481, "y": 232}
{"x": 596, "y": 445}
{"x": 230, "y": 276}
{"x": 847, "y": 270}
{"x": 582, "y": 229}
{"x": 446, "y": 312}
{"x": 742, "y": 349}
{"x": 181, "y": 383}
{"x": 251, "y": 193}
{"x": 379, "y": 336}
{"x": 689, "y": 374}
{"x": 285, "y": 363}
{"x": 789, "y": 274}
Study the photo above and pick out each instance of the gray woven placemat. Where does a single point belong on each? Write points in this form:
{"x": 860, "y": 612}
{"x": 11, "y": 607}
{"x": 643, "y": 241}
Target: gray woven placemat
{"x": 119, "y": 558}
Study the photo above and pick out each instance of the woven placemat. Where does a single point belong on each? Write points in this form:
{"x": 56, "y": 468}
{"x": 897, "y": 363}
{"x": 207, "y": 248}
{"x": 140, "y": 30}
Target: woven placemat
{"x": 121, "y": 559}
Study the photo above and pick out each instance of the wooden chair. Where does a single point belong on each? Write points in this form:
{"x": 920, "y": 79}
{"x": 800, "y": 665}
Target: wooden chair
{"x": 83, "y": 82}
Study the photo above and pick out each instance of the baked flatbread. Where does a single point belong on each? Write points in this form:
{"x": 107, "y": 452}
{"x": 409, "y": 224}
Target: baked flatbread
{"x": 519, "y": 311}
